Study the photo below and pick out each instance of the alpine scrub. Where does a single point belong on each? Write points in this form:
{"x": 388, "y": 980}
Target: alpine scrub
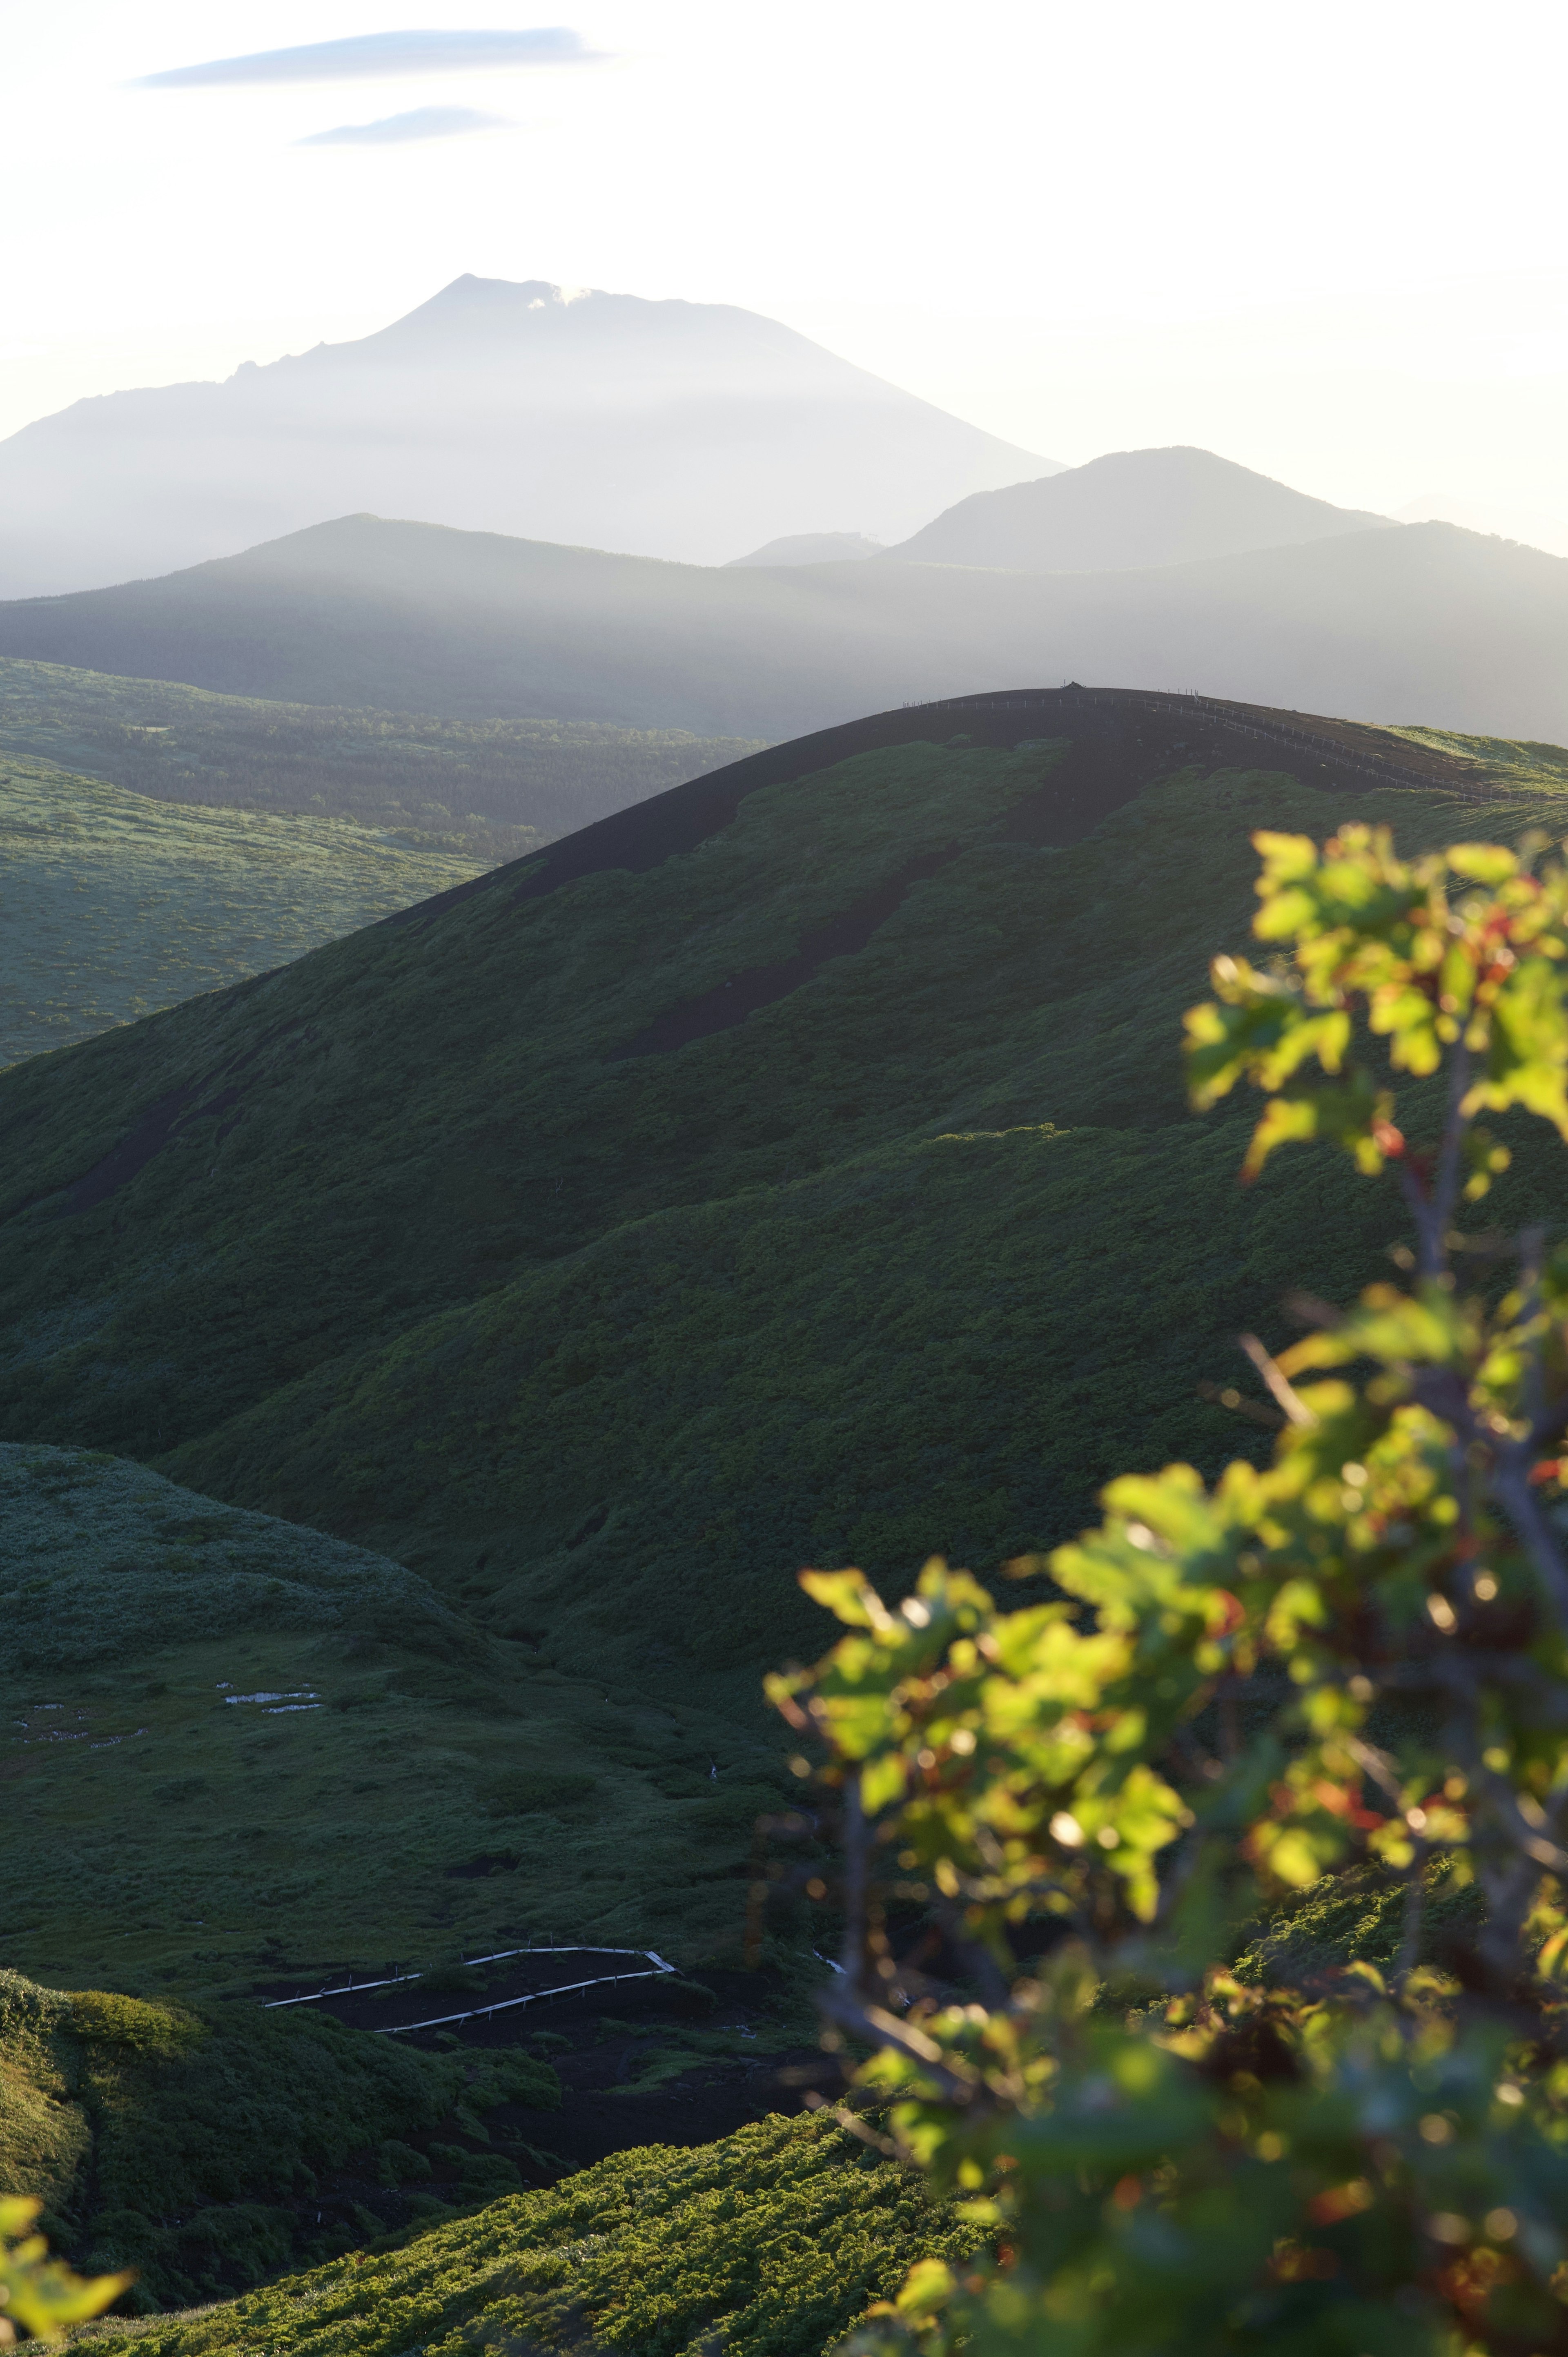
{"x": 1347, "y": 1666}
{"x": 768, "y": 2244}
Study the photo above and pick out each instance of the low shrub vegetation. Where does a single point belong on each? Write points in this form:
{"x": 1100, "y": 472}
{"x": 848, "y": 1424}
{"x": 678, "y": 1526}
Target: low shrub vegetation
{"x": 236, "y": 1747}
{"x": 117, "y": 905}
{"x": 605, "y": 1346}
{"x": 1238, "y": 1849}
{"x": 484, "y": 790}
{"x": 184, "y": 2142}
{"x": 771, "y": 2242}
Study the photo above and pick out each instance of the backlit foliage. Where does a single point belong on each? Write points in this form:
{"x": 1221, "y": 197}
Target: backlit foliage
{"x": 768, "y": 2244}
{"x": 1351, "y": 1661}
{"x": 36, "y": 2292}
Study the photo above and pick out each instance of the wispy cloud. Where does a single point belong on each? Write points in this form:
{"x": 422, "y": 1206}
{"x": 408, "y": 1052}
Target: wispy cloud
{"x": 421, "y": 123}
{"x": 365, "y": 57}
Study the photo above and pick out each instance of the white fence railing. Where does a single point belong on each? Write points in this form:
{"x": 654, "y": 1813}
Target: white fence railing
{"x": 656, "y": 1967}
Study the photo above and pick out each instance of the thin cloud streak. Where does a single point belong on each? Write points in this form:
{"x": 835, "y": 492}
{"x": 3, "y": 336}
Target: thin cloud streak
{"x": 365, "y": 57}
{"x": 421, "y": 123}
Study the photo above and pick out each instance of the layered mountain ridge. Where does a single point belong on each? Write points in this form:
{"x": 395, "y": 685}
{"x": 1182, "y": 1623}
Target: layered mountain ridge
{"x": 1127, "y": 511}
{"x": 1379, "y": 624}
{"x": 668, "y": 429}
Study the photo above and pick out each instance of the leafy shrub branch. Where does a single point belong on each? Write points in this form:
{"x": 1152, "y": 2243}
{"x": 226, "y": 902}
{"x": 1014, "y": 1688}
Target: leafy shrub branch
{"x": 1352, "y": 1660}
{"x": 37, "y": 2292}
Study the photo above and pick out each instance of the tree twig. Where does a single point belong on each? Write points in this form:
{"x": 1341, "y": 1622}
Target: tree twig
{"x": 1446, "y": 1180}
{"x": 1291, "y": 1401}
{"x": 855, "y": 1847}
{"x": 1532, "y": 1250}
{"x": 1512, "y": 1487}
{"x": 878, "y": 2027}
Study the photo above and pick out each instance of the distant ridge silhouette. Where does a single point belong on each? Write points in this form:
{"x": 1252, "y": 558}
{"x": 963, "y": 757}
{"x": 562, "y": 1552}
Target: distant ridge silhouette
{"x": 1380, "y": 625}
{"x": 1128, "y": 510}
{"x": 669, "y": 429}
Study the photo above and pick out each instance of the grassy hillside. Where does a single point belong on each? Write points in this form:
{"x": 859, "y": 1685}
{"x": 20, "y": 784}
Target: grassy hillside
{"x": 1420, "y": 620}
{"x": 115, "y": 905}
{"x": 233, "y": 1748}
{"x": 200, "y": 2145}
{"x": 769, "y": 2244}
{"x": 236, "y": 1753}
{"x": 794, "y": 1168}
{"x": 489, "y": 789}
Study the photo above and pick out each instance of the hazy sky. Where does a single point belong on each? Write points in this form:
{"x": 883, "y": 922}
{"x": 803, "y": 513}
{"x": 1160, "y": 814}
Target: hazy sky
{"x": 1326, "y": 240}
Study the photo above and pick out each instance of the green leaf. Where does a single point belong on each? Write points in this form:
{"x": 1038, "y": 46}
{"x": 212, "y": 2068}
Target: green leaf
{"x": 849, "y": 1596}
{"x": 1484, "y": 863}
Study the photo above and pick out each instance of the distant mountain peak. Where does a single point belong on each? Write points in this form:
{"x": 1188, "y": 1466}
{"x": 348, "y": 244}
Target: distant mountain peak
{"x": 469, "y": 306}
{"x": 1130, "y": 510}
{"x": 510, "y": 295}
{"x": 523, "y": 406}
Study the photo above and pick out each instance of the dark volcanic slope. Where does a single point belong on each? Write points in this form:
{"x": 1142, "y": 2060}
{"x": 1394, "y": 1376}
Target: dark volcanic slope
{"x": 1380, "y": 625}
{"x": 489, "y": 1237}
